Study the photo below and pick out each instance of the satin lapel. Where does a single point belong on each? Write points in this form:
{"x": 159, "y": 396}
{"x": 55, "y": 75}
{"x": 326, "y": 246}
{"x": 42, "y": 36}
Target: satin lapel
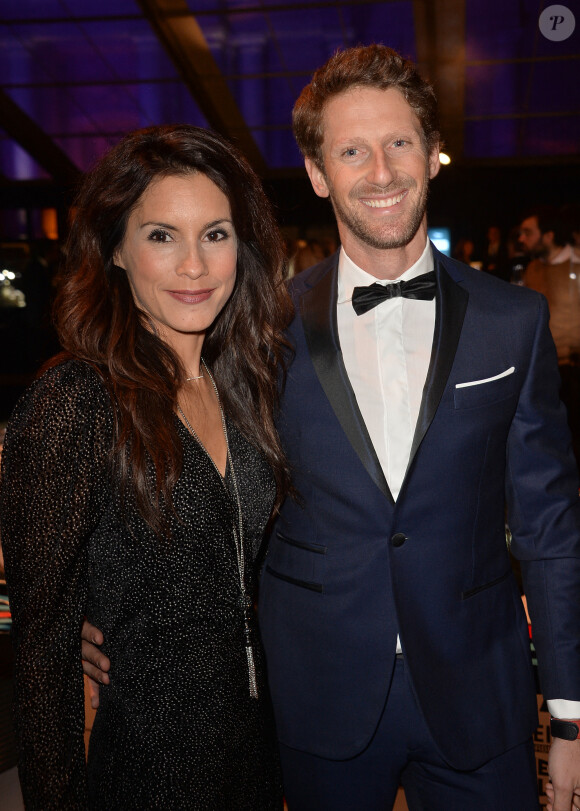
{"x": 450, "y": 304}
{"x": 318, "y": 310}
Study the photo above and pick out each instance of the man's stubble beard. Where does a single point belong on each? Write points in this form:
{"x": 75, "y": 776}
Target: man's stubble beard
{"x": 382, "y": 241}
{"x": 539, "y": 251}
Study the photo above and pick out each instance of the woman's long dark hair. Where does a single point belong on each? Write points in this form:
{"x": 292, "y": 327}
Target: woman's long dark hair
{"x": 98, "y": 321}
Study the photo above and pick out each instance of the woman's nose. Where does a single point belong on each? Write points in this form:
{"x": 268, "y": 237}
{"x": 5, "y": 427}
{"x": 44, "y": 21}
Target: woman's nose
{"x": 192, "y": 263}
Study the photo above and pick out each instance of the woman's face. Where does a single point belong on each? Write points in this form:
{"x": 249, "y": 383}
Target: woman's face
{"x": 180, "y": 253}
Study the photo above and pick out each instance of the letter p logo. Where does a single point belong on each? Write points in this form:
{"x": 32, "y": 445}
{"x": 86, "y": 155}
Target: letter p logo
{"x": 557, "y": 23}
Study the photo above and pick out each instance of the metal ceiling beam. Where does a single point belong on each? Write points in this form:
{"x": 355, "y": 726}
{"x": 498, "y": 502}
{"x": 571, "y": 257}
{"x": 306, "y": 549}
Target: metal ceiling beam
{"x": 26, "y": 132}
{"x": 440, "y": 39}
{"x": 180, "y": 34}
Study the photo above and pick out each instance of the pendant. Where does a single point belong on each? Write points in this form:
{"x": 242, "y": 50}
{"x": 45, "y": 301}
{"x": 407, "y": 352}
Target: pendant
{"x": 251, "y": 671}
{"x": 248, "y": 608}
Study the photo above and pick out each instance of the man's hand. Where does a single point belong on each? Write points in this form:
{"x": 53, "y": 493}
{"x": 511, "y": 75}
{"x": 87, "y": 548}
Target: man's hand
{"x": 95, "y": 663}
{"x": 564, "y": 769}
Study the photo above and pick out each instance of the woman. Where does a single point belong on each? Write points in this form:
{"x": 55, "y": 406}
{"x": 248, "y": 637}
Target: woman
{"x": 139, "y": 472}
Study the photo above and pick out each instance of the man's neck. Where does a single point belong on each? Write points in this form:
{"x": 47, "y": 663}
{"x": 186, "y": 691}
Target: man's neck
{"x": 384, "y": 263}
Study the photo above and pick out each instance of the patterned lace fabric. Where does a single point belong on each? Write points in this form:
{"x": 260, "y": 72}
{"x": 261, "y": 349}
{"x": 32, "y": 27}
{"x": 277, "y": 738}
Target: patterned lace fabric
{"x": 177, "y": 728}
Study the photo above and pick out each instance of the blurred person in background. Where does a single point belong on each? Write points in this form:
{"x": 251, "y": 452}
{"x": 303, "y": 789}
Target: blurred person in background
{"x": 554, "y": 271}
{"x": 307, "y": 253}
{"x": 494, "y": 257}
{"x": 463, "y": 250}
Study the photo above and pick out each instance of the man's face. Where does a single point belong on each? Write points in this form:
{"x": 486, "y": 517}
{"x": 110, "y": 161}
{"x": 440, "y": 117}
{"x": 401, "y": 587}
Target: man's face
{"x": 376, "y": 169}
{"x": 531, "y": 238}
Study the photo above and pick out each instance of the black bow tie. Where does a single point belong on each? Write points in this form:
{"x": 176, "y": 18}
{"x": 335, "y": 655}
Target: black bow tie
{"x": 421, "y": 287}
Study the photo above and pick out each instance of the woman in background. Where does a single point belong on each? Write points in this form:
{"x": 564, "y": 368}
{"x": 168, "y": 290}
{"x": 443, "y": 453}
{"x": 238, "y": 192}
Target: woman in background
{"x": 138, "y": 474}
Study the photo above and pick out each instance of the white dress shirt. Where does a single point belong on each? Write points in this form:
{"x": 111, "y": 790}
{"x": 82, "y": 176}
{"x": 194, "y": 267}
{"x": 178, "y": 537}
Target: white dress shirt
{"x": 386, "y": 353}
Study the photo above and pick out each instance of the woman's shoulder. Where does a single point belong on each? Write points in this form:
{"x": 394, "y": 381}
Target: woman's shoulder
{"x": 69, "y": 377}
{"x": 66, "y": 389}
{"x": 67, "y": 372}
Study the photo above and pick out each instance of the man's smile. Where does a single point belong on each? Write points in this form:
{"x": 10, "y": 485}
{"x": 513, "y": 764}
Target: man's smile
{"x": 383, "y": 202}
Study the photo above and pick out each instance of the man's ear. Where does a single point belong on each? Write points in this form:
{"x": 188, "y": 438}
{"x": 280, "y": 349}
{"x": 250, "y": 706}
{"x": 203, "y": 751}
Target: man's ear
{"x": 548, "y": 239}
{"x": 434, "y": 162}
{"x": 316, "y": 178}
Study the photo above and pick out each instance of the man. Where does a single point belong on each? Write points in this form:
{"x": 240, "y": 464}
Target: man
{"x": 554, "y": 270}
{"x": 395, "y": 635}
{"x": 544, "y": 234}
{"x": 544, "y": 238}
{"x": 495, "y": 258}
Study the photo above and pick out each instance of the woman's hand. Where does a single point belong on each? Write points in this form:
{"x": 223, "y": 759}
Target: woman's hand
{"x": 95, "y": 664}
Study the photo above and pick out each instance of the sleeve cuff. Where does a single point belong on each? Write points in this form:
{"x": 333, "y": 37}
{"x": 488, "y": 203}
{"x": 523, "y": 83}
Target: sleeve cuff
{"x": 562, "y": 708}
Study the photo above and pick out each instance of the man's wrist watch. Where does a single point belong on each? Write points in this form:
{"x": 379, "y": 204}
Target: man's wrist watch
{"x": 569, "y": 730}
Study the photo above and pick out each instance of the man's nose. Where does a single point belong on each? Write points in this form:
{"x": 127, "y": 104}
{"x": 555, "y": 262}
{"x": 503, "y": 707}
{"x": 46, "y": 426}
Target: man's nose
{"x": 380, "y": 172}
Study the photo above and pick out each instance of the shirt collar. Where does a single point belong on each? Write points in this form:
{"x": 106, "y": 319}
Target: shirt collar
{"x": 351, "y": 276}
{"x": 565, "y": 255}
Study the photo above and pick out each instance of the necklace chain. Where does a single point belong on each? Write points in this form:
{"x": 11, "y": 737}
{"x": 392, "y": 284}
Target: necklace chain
{"x": 238, "y": 533}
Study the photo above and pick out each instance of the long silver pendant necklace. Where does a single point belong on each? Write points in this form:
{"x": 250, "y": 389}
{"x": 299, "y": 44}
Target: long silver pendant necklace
{"x": 238, "y": 534}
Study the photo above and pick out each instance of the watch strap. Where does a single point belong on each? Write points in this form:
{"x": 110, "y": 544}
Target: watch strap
{"x": 569, "y": 730}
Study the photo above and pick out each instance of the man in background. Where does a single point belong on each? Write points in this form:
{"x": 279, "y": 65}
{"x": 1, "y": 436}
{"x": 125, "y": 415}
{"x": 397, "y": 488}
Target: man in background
{"x": 554, "y": 271}
{"x": 545, "y": 238}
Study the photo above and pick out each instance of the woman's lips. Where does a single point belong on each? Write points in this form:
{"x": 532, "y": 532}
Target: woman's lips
{"x": 190, "y": 296}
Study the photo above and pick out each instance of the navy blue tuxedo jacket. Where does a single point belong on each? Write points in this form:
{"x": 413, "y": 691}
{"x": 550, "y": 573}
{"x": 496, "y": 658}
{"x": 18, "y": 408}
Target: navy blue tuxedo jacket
{"x": 348, "y": 568}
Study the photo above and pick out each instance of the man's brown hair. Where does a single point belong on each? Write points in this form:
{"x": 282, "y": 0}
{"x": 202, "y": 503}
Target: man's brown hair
{"x": 364, "y": 66}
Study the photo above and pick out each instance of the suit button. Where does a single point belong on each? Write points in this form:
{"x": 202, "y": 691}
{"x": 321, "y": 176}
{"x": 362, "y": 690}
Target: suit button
{"x": 398, "y": 539}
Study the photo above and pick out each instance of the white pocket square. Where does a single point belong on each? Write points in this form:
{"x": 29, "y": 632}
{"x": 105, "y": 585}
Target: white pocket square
{"x": 507, "y": 372}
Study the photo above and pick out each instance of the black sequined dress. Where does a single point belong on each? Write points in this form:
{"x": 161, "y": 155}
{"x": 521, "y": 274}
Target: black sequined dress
{"x": 177, "y": 727}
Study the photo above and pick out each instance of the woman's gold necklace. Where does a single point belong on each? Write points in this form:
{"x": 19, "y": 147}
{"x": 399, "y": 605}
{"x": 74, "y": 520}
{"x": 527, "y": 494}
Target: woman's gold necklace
{"x": 238, "y": 532}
